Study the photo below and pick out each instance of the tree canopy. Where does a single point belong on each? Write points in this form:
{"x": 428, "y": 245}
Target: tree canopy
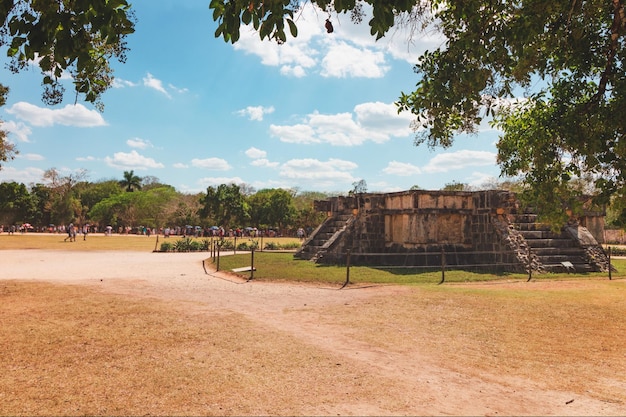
{"x": 77, "y": 36}
{"x": 549, "y": 73}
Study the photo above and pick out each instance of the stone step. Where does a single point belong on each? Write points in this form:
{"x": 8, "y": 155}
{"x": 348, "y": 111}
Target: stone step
{"x": 551, "y": 250}
{"x": 550, "y": 243}
{"x": 543, "y": 234}
{"x": 559, "y": 267}
{"x": 557, "y": 258}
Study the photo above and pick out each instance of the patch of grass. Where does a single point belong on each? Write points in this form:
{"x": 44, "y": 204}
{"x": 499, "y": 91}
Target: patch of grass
{"x": 68, "y": 350}
{"x": 98, "y": 241}
{"x": 284, "y": 267}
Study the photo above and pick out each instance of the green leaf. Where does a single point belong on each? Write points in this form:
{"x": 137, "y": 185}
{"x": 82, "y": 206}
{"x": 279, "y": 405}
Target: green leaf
{"x": 293, "y": 29}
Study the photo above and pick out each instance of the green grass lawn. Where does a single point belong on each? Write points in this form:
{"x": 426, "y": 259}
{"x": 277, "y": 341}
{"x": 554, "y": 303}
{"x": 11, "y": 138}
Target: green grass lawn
{"x": 284, "y": 267}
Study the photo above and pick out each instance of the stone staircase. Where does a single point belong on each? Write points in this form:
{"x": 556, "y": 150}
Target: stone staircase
{"x": 324, "y": 237}
{"x": 556, "y": 252}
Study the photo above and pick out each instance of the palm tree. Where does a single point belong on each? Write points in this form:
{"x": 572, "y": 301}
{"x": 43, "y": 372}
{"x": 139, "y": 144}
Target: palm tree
{"x": 131, "y": 181}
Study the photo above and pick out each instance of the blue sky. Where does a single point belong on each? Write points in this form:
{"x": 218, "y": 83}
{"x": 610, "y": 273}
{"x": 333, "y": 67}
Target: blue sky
{"x": 314, "y": 114}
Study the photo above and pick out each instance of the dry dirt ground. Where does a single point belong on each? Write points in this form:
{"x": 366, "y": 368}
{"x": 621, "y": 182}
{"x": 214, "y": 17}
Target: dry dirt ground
{"x": 346, "y": 373}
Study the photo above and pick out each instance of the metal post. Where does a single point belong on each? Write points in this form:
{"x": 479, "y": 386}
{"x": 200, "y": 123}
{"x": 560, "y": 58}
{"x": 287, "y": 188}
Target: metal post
{"x": 610, "y": 268}
{"x": 218, "y": 257}
{"x": 251, "y": 265}
{"x": 530, "y": 266}
{"x": 443, "y": 266}
{"x": 347, "y": 269}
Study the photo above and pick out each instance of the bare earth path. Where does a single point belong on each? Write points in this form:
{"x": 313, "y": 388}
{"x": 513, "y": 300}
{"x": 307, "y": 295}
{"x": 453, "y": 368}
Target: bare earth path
{"x": 421, "y": 385}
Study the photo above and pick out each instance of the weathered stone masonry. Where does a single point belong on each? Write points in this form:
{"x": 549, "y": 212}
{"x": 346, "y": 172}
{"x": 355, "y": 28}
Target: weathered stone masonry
{"x": 414, "y": 227}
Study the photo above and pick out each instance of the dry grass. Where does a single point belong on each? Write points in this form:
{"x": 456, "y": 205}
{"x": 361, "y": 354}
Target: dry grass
{"x": 76, "y": 350}
{"x": 67, "y": 350}
{"x": 563, "y": 335}
{"x": 98, "y": 241}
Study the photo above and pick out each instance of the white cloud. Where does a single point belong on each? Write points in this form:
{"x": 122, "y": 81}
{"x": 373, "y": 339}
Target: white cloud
{"x": 30, "y": 156}
{"x": 131, "y": 160}
{"x": 25, "y": 176}
{"x": 213, "y": 181}
{"x": 255, "y": 153}
{"x": 299, "y": 133}
{"x": 319, "y": 174}
{"x": 85, "y": 158}
{"x": 401, "y": 169}
{"x": 17, "y": 129}
{"x": 350, "y": 51}
{"x": 70, "y": 115}
{"x": 120, "y": 83}
{"x": 215, "y": 164}
{"x": 479, "y": 179}
{"x": 180, "y": 165}
{"x": 156, "y": 84}
{"x": 256, "y": 112}
{"x": 376, "y": 122}
{"x": 450, "y": 161}
{"x": 343, "y": 60}
{"x": 295, "y": 71}
{"x": 178, "y": 89}
{"x": 139, "y": 143}
{"x": 262, "y": 162}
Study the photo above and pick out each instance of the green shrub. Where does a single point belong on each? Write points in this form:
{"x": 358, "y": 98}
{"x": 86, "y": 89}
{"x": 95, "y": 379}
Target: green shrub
{"x": 290, "y": 245}
{"x": 183, "y": 245}
{"x": 226, "y": 245}
{"x": 166, "y": 246}
{"x": 271, "y": 246}
{"x": 195, "y": 246}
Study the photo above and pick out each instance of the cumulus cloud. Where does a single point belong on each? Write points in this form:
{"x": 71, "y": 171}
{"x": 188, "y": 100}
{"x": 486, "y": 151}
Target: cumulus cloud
{"x": 132, "y": 160}
{"x": 450, "y": 161}
{"x": 26, "y": 175}
{"x": 85, "y": 158}
{"x": 376, "y": 122}
{"x": 216, "y": 181}
{"x": 255, "y": 153}
{"x": 156, "y": 84}
{"x": 71, "y": 115}
{"x": 214, "y": 164}
{"x": 17, "y": 129}
{"x": 265, "y": 163}
{"x": 350, "y": 51}
{"x": 401, "y": 169}
{"x": 120, "y": 83}
{"x": 343, "y": 60}
{"x": 255, "y": 112}
{"x": 180, "y": 165}
{"x": 139, "y": 143}
{"x": 320, "y": 174}
{"x": 30, "y": 156}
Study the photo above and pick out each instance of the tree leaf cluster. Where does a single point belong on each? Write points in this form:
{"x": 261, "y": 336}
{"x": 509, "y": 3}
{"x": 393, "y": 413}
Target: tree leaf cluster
{"x": 77, "y": 36}
{"x": 550, "y": 74}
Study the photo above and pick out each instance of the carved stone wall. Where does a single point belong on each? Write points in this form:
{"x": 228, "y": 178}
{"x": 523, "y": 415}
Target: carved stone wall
{"x": 470, "y": 227}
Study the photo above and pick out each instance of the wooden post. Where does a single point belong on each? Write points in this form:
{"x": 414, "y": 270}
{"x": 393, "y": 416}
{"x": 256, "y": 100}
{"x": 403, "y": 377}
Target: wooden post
{"x": 235, "y": 246}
